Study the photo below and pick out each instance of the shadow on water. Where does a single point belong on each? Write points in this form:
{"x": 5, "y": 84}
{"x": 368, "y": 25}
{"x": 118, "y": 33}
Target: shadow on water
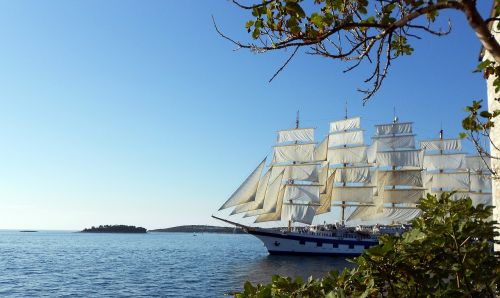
{"x": 262, "y": 269}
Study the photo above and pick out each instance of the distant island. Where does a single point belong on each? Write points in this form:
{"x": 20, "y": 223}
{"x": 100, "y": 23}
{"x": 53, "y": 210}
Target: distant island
{"x": 28, "y": 231}
{"x": 201, "y": 229}
{"x": 115, "y": 229}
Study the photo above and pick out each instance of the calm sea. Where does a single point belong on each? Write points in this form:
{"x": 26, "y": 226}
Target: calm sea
{"x": 144, "y": 265}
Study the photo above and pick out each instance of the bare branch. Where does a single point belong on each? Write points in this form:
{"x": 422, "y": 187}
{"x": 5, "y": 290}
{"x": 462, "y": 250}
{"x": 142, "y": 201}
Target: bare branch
{"x": 285, "y": 64}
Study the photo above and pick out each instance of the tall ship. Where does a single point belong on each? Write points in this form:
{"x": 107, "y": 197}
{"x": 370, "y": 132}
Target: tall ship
{"x": 337, "y": 197}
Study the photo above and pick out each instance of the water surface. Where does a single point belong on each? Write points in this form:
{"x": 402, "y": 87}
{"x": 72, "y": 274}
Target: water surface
{"x": 47, "y": 264}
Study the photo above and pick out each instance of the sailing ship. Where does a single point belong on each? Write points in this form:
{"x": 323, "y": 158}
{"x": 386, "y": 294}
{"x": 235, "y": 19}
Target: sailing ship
{"x": 367, "y": 190}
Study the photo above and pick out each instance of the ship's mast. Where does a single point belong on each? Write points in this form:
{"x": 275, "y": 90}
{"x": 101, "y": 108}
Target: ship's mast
{"x": 397, "y": 159}
{"x": 345, "y": 110}
{"x": 342, "y": 217}
{"x": 394, "y": 121}
{"x": 347, "y": 154}
{"x": 291, "y": 181}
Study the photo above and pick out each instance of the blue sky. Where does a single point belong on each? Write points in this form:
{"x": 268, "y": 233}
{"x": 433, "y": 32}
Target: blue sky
{"x": 137, "y": 112}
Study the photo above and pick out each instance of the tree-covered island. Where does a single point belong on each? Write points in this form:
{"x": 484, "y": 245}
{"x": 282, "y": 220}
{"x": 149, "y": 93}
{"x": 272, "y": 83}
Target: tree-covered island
{"x": 115, "y": 229}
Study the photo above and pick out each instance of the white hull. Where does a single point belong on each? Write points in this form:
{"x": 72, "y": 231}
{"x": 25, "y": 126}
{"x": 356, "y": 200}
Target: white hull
{"x": 295, "y": 243}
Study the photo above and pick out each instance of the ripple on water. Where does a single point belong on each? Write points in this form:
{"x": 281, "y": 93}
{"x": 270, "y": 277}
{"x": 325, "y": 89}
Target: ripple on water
{"x": 64, "y": 264}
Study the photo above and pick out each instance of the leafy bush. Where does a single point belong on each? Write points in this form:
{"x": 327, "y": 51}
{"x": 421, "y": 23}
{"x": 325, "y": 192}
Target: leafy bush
{"x": 448, "y": 252}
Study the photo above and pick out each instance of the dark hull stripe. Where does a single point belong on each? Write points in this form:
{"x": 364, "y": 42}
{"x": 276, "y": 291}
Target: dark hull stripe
{"x": 297, "y": 253}
{"x": 308, "y": 238}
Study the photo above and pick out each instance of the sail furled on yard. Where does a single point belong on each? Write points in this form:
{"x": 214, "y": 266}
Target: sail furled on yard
{"x": 247, "y": 190}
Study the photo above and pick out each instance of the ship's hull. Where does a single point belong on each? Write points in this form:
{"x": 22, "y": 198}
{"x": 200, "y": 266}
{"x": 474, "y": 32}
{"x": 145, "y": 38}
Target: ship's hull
{"x": 326, "y": 244}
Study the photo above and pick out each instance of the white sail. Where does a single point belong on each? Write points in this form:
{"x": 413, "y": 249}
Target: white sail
{"x": 347, "y": 155}
{"x": 361, "y": 194}
{"x": 441, "y": 145}
{"x": 325, "y": 199}
{"x": 480, "y": 182}
{"x": 371, "y": 153}
{"x": 302, "y": 193}
{"x": 392, "y": 142}
{"x": 393, "y": 215}
{"x": 273, "y": 216}
{"x": 258, "y": 203}
{"x": 393, "y": 128}
{"x": 321, "y": 151}
{"x": 364, "y": 213}
{"x": 383, "y": 215}
{"x": 478, "y": 163}
{"x": 400, "y": 177}
{"x": 480, "y": 198}
{"x": 305, "y": 135}
{"x": 342, "y": 139}
{"x": 322, "y": 177}
{"x": 476, "y": 197}
{"x": 408, "y": 158}
{"x": 298, "y": 213}
{"x": 246, "y": 192}
{"x": 444, "y": 161}
{"x": 346, "y": 124}
{"x": 294, "y": 153}
{"x": 447, "y": 180}
{"x": 359, "y": 174}
{"x": 300, "y": 172}
{"x": 401, "y": 195}
{"x": 270, "y": 198}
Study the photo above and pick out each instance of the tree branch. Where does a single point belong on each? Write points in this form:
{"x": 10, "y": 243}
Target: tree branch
{"x": 481, "y": 29}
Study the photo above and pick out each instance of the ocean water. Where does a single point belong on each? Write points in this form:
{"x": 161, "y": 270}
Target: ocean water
{"x": 70, "y": 264}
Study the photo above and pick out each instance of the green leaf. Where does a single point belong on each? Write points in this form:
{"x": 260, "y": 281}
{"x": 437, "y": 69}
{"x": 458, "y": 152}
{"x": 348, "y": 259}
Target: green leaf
{"x": 483, "y": 65}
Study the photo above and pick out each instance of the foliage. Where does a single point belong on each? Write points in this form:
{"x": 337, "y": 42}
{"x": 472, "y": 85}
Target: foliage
{"x": 115, "y": 229}
{"x": 447, "y": 252}
{"x": 480, "y": 121}
{"x": 376, "y": 31}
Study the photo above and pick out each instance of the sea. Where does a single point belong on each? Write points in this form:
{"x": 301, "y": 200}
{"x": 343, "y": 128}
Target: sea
{"x": 73, "y": 264}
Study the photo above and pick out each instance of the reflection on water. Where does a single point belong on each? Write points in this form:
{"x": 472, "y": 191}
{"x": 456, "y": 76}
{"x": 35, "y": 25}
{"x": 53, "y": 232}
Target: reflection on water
{"x": 294, "y": 266}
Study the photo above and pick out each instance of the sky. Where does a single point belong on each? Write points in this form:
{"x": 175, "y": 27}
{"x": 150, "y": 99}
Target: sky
{"x": 139, "y": 113}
